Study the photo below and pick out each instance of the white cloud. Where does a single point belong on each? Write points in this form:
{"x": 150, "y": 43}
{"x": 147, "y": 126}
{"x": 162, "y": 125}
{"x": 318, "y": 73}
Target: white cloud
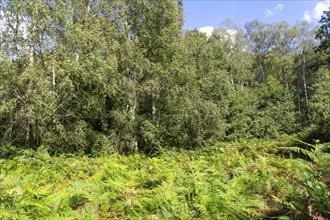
{"x": 268, "y": 13}
{"x": 279, "y": 7}
{"x": 274, "y": 11}
{"x": 317, "y": 12}
{"x": 319, "y": 8}
{"x": 307, "y": 17}
{"x": 208, "y": 30}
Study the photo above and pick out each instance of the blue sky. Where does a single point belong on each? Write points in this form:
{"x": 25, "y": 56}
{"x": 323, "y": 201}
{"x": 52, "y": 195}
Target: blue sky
{"x": 201, "y": 13}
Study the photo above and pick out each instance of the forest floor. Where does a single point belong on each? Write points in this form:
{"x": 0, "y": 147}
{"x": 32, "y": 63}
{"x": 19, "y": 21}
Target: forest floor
{"x": 246, "y": 180}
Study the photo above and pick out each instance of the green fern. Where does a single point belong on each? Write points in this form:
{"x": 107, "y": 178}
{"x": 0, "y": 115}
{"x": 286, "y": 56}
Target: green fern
{"x": 248, "y": 180}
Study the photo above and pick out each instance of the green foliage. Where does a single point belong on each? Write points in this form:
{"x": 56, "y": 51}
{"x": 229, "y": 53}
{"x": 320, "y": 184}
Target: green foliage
{"x": 193, "y": 98}
{"x": 94, "y": 77}
{"x": 99, "y": 77}
{"x": 243, "y": 111}
{"x": 315, "y": 187}
{"x": 323, "y": 34}
{"x": 267, "y": 114}
{"x": 220, "y": 182}
{"x": 275, "y": 110}
{"x": 320, "y": 105}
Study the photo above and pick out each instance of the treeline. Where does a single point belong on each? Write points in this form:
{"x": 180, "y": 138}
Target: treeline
{"x": 103, "y": 76}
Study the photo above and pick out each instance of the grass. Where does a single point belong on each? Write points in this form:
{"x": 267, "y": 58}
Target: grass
{"x": 247, "y": 180}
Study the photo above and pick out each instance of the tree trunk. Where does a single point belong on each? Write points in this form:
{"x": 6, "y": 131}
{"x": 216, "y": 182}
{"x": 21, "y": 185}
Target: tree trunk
{"x": 31, "y": 115}
{"x": 134, "y": 144}
{"x": 153, "y": 108}
{"x": 298, "y": 86}
{"x": 31, "y": 56}
{"x": 263, "y": 77}
{"x": 298, "y": 94}
{"x": 305, "y": 83}
{"x": 54, "y": 77}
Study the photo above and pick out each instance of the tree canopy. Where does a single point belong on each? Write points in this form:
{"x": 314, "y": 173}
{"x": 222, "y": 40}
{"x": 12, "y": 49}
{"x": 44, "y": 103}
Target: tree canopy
{"x": 121, "y": 76}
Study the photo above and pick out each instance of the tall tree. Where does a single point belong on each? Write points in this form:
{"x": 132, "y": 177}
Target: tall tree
{"x": 260, "y": 42}
{"x": 158, "y": 33}
{"x": 305, "y": 58}
{"x": 276, "y": 113}
{"x": 232, "y": 41}
{"x": 320, "y": 104}
{"x": 323, "y": 35}
{"x": 197, "y": 100}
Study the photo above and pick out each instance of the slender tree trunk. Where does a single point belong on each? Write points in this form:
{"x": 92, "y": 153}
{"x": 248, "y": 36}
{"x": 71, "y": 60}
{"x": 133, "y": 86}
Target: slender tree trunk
{"x": 134, "y": 143}
{"x": 153, "y": 108}
{"x": 53, "y": 77}
{"x": 31, "y": 119}
{"x": 77, "y": 56}
{"x": 88, "y": 8}
{"x": 133, "y": 146}
{"x": 31, "y": 55}
{"x": 298, "y": 94}
{"x": 263, "y": 77}
{"x": 286, "y": 82}
{"x": 16, "y": 35}
{"x": 31, "y": 115}
{"x": 298, "y": 86}
{"x": 305, "y": 83}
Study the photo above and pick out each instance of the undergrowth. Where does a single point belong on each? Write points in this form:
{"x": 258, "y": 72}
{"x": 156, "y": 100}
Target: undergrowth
{"x": 247, "y": 180}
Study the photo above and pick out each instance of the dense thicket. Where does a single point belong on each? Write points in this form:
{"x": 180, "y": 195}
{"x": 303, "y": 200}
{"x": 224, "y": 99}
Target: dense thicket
{"x": 100, "y": 76}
